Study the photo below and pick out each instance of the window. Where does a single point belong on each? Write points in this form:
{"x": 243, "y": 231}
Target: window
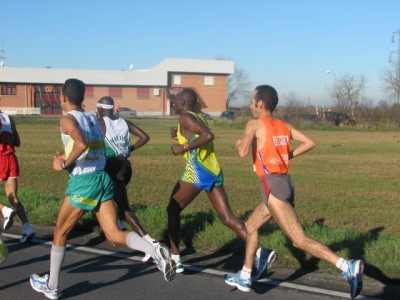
{"x": 8, "y": 89}
{"x": 177, "y": 79}
{"x": 88, "y": 91}
{"x": 143, "y": 92}
{"x": 115, "y": 92}
{"x": 208, "y": 80}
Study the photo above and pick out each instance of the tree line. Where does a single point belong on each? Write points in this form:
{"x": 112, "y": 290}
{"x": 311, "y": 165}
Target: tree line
{"x": 346, "y": 95}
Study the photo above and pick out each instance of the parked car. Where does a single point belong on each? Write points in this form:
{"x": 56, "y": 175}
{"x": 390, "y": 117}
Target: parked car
{"x": 228, "y": 115}
{"x": 125, "y": 112}
{"x": 310, "y": 119}
{"x": 339, "y": 118}
{"x": 205, "y": 115}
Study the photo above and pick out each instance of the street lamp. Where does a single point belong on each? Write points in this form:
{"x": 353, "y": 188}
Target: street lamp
{"x": 323, "y": 111}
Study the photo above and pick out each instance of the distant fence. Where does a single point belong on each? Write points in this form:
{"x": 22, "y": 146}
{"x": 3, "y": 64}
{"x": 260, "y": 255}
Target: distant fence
{"x": 21, "y": 110}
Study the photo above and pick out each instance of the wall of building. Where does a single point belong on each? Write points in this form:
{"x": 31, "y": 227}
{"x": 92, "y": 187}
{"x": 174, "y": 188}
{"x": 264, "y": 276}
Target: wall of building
{"x": 129, "y": 99}
{"x": 214, "y": 96}
{"x": 18, "y": 100}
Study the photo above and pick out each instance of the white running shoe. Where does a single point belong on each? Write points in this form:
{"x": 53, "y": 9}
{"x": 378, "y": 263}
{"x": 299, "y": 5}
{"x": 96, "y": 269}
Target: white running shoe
{"x": 8, "y": 214}
{"x": 41, "y": 285}
{"x": 28, "y": 232}
{"x": 265, "y": 261}
{"x": 179, "y": 266}
{"x": 354, "y": 276}
{"x": 3, "y": 251}
{"x": 164, "y": 262}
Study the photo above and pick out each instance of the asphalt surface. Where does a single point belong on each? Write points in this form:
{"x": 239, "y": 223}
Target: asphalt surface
{"x": 196, "y": 261}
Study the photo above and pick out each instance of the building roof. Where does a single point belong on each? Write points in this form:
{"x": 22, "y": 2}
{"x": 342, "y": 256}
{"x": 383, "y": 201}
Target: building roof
{"x": 156, "y": 76}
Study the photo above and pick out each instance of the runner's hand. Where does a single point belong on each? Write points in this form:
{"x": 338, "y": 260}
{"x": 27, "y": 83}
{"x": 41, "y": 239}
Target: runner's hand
{"x": 174, "y": 132}
{"x": 176, "y": 149}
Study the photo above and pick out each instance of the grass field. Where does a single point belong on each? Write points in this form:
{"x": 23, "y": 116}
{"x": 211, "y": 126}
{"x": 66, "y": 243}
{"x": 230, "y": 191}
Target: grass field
{"x": 347, "y": 192}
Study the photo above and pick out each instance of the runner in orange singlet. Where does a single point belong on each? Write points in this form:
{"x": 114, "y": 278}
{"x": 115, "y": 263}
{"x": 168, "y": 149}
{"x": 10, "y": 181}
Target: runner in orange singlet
{"x": 269, "y": 139}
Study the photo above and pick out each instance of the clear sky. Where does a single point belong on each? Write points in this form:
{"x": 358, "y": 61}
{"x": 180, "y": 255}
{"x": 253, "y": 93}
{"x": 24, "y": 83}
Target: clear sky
{"x": 287, "y": 44}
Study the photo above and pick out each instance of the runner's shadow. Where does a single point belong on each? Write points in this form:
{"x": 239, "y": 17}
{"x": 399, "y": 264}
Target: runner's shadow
{"x": 356, "y": 248}
{"x": 98, "y": 265}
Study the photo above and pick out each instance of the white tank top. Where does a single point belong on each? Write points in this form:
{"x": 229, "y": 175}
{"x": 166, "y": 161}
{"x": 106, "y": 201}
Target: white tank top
{"x": 117, "y": 138}
{"x": 93, "y": 158}
{"x": 6, "y": 135}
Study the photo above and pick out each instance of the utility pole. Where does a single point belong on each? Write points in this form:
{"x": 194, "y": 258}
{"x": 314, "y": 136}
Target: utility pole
{"x": 398, "y": 62}
{"x": 323, "y": 111}
{"x": 2, "y": 54}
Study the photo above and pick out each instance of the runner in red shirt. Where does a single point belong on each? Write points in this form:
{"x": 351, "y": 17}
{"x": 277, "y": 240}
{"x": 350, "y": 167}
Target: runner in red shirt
{"x": 9, "y": 173}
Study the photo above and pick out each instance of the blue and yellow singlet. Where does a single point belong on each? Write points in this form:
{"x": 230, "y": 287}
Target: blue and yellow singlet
{"x": 202, "y": 167}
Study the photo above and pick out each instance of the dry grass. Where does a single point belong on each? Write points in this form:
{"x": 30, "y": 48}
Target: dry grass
{"x": 351, "y": 179}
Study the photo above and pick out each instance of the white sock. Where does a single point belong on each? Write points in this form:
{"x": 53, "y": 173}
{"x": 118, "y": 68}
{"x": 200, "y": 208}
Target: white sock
{"x": 342, "y": 265}
{"x": 57, "y": 255}
{"x": 246, "y": 273}
{"x": 175, "y": 257}
{"x": 148, "y": 238}
{"x": 4, "y": 209}
{"x": 258, "y": 253}
{"x": 136, "y": 242}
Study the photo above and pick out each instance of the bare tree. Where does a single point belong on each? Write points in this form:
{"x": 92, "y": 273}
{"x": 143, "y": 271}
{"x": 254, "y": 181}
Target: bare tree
{"x": 293, "y": 106}
{"x": 391, "y": 81}
{"x": 237, "y": 84}
{"x": 347, "y": 90}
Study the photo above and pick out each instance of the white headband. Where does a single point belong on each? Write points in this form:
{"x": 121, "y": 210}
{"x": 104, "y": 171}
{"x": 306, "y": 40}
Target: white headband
{"x": 106, "y": 106}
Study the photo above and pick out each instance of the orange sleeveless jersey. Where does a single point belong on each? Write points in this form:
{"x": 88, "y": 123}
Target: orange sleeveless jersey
{"x": 273, "y": 158}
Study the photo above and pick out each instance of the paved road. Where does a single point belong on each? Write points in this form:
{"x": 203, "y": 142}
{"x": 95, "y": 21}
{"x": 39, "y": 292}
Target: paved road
{"x": 91, "y": 273}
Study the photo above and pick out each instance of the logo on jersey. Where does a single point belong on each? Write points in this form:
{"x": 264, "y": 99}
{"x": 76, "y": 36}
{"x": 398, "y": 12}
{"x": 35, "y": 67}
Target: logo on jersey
{"x": 280, "y": 140}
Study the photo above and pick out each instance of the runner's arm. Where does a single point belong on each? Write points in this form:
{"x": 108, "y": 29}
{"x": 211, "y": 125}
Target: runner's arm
{"x": 191, "y": 124}
{"x": 244, "y": 144}
{"x": 136, "y": 131}
{"x": 307, "y": 142}
{"x": 17, "y": 140}
{"x": 70, "y": 127}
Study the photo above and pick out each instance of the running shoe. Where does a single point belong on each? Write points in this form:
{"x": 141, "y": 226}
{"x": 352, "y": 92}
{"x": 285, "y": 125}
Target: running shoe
{"x": 41, "y": 285}
{"x": 28, "y": 232}
{"x": 3, "y": 251}
{"x": 354, "y": 276}
{"x": 179, "y": 266}
{"x": 236, "y": 280}
{"x": 164, "y": 262}
{"x": 265, "y": 261}
{"x": 8, "y": 214}
{"x": 148, "y": 256}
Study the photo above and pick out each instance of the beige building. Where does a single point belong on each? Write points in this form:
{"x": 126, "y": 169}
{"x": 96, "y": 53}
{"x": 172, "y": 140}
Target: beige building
{"x": 149, "y": 91}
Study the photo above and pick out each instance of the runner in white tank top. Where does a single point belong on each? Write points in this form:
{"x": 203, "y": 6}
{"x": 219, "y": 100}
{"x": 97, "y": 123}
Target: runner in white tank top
{"x": 117, "y": 138}
{"x": 117, "y": 133}
{"x": 89, "y": 187}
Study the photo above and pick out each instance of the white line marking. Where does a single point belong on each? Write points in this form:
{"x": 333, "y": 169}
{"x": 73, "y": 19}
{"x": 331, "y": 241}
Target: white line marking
{"x": 200, "y": 269}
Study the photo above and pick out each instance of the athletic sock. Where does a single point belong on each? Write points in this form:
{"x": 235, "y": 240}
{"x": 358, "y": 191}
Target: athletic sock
{"x": 246, "y": 273}
{"x": 136, "y": 242}
{"x": 149, "y": 238}
{"x": 258, "y": 253}
{"x": 342, "y": 265}
{"x": 175, "y": 257}
{"x": 57, "y": 255}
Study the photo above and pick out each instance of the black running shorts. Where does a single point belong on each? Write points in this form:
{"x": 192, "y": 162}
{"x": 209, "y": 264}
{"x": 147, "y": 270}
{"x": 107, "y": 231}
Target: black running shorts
{"x": 119, "y": 169}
